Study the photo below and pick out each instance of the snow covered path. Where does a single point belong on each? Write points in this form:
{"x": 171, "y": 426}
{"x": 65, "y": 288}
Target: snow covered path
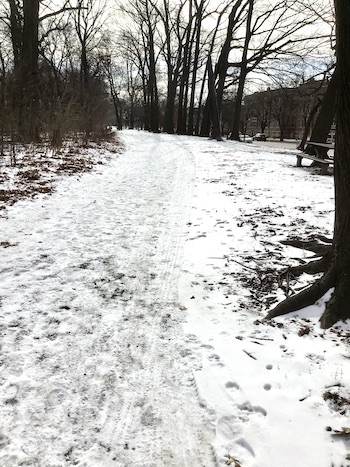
{"x": 92, "y": 370}
{"x": 131, "y": 315}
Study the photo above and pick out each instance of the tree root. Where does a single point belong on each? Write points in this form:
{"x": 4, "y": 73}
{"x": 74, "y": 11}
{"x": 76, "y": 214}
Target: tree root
{"x": 335, "y": 275}
{"x": 314, "y": 267}
{"x": 314, "y": 246}
{"x": 323, "y": 249}
{"x": 304, "y": 298}
{"x": 338, "y": 306}
{"x": 324, "y": 239}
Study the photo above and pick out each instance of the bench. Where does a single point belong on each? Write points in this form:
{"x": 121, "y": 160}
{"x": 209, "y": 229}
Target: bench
{"x": 321, "y": 157}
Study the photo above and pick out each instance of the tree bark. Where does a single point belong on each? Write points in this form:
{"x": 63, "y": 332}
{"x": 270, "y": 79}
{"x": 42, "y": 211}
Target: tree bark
{"x": 308, "y": 124}
{"x": 339, "y": 305}
{"x": 326, "y": 115}
{"x": 16, "y": 32}
{"x": 220, "y": 69}
{"x": 214, "y": 109}
{"x": 242, "y": 76}
{"x": 223, "y": 63}
{"x": 198, "y": 26}
{"x": 171, "y": 84}
{"x": 29, "y": 74}
{"x": 182, "y": 110}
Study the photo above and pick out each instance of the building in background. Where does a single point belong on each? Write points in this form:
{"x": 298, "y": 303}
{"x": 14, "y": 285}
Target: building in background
{"x": 282, "y": 113}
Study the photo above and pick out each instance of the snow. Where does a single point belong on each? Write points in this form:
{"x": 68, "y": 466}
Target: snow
{"x": 132, "y": 305}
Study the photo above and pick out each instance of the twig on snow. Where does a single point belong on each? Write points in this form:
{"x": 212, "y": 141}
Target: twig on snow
{"x": 249, "y": 355}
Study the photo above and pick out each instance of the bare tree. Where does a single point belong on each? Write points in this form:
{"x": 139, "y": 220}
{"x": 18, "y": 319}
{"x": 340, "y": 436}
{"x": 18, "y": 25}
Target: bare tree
{"x": 274, "y": 33}
{"x": 172, "y": 52}
{"x": 284, "y": 105}
{"x": 262, "y": 108}
{"x": 200, "y": 9}
{"x": 111, "y": 73}
{"x": 24, "y": 21}
{"x": 171, "y": 49}
{"x": 88, "y": 19}
{"x": 142, "y": 43}
{"x": 235, "y": 18}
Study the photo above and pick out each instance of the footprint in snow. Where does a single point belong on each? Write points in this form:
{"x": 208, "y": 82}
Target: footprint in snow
{"x": 229, "y": 427}
{"x": 11, "y": 394}
{"x": 215, "y": 359}
{"x": 242, "y": 443}
{"x": 4, "y": 440}
{"x": 247, "y": 407}
{"x": 232, "y": 385}
{"x": 207, "y": 346}
{"x": 191, "y": 338}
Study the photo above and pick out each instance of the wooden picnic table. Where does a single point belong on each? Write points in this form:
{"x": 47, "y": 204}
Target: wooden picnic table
{"x": 321, "y": 157}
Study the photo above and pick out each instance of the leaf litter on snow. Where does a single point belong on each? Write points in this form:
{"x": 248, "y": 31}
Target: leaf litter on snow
{"x": 35, "y": 169}
{"x": 267, "y": 383}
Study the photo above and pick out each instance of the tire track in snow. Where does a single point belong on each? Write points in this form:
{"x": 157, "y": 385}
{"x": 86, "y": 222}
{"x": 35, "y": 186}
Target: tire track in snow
{"x": 143, "y": 407}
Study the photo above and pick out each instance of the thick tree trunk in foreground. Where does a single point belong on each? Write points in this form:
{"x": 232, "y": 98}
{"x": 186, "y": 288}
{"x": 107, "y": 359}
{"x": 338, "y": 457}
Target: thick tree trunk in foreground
{"x": 338, "y": 272}
{"x": 339, "y": 305}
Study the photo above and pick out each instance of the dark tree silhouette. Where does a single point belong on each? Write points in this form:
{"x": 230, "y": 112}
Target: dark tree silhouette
{"x": 337, "y": 262}
{"x": 326, "y": 115}
{"x": 28, "y": 72}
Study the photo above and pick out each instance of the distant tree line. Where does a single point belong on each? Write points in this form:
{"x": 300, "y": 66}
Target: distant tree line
{"x": 74, "y": 65}
{"x": 166, "y": 48}
{"x": 52, "y": 77}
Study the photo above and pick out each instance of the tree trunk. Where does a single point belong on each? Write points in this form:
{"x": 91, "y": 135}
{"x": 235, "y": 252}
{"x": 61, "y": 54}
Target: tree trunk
{"x": 338, "y": 272}
{"x": 203, "y": 127}
{"x": 171, "y": 87}
{"x": 16, "y": 32}
{"x": 214, "y": 109}
{"x": 242, "y": 76}
{"x": 170, "y": 108}
{"x": 152, "y": 83}
{"x": 182, "y": 110}
{"x": 281, "y": 125}
{"x": 338, "y": 307}
{"x": 132, "y": 114}
{"x": 308, "y": 123}
{"x": 222, "y": 64}
{"x": 326, "y": 115}
{"x": 238, "y": 104}
{"x": 29, "y": 74}
{"x": 117, "y": 109}
{"x": 198, "y": 26}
